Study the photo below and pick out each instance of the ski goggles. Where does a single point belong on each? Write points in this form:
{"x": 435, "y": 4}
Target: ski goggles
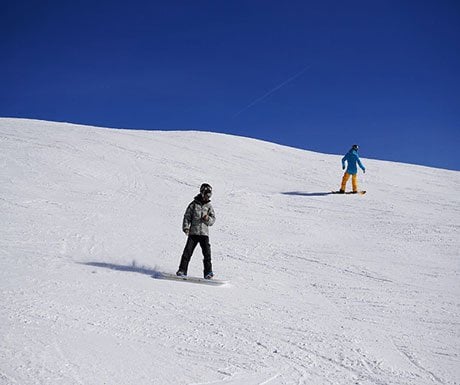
{"x": 207, "y": 192}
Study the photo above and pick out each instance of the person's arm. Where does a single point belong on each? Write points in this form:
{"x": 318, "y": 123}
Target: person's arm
{"x": 210, "y": 218}
{"x": 343, "y": 162}
{"x": 360, "y": 164}
{"x": 187, "y": 221}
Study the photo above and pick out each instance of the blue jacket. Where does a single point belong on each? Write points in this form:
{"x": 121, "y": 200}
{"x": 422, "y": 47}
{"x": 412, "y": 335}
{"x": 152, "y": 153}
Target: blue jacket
{"x": 352, "y": 159}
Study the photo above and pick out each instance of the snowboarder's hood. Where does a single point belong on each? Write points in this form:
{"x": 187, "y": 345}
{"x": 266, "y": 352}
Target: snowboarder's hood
{"x": 199, "y": 199}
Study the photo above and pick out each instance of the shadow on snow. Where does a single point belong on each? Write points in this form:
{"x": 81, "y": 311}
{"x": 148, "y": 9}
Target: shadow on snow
{"x": 133, "y": 268}
{"x": 307, "y": 194}
{"x": 154, "y": 273}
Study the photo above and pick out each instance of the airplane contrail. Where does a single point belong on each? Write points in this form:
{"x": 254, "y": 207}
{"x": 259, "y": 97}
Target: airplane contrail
{"x": 259, "y": 99}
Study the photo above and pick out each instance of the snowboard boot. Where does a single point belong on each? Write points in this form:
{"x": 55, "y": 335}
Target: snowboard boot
{"x": 341, "y": 191}
{"x": 180, "y": 273}
{"x": 209, "y": 275}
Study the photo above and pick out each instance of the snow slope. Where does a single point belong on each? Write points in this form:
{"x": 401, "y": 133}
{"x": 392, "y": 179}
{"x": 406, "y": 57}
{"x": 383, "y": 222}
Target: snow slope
{"x": 324, "y": 289}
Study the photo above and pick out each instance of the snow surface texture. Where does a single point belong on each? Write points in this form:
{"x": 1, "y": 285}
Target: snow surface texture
{"x": 324, "y": 289}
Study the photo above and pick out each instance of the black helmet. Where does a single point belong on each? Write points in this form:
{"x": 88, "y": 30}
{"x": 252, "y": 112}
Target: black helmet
{"x": 205, "y": 187}
{"x": 355, "y": 147}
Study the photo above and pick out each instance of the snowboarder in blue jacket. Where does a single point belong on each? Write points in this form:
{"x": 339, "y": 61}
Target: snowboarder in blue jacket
{"x": 353, "y": 161}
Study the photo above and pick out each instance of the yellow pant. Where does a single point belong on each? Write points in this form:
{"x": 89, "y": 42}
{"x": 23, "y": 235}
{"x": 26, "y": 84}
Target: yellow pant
{"x": 354, "y": 181}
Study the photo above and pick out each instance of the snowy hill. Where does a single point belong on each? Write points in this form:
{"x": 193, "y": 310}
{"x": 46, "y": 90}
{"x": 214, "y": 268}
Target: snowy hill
{"x": 324, "y": 289}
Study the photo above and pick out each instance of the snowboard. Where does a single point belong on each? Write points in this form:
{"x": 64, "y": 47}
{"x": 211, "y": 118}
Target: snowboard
{"x": 174, "y": 277}
{"x": 362, "y": 192}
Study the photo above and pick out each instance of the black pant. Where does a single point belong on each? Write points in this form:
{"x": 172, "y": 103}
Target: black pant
{"x": 192, "y": 241}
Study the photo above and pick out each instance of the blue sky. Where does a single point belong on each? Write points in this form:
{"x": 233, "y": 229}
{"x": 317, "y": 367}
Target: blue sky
{"x": 318, "y": 75}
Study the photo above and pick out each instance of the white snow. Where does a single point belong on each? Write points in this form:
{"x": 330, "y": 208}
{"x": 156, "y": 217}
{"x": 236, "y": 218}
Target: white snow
{"x": 324, "y": 289}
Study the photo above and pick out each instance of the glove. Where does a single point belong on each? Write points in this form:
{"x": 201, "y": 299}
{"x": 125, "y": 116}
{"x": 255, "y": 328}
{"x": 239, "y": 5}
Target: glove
{"x": 364, "y": 171}
{"x": 343, "y": 167}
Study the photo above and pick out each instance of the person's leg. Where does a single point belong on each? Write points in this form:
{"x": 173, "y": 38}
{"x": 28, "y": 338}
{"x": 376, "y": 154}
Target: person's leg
{"x": 345, "y": 178}
{"x": 187, "y": 254}
{"x": 354, "y": 182}
{"x": 206, "y": 249}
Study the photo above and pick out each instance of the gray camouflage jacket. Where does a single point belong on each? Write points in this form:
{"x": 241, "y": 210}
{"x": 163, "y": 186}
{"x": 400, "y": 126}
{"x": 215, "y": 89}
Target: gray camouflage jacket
{"x": 193, "y": 217}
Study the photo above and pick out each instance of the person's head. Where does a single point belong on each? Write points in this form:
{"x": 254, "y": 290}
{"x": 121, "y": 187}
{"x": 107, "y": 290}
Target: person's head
{"x": 206, "y": 192}
{"x": 355, "y": 147}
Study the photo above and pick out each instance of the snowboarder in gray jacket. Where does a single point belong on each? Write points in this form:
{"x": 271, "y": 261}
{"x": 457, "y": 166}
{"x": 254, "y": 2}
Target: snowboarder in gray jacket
{"x": 198, "y": 216}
